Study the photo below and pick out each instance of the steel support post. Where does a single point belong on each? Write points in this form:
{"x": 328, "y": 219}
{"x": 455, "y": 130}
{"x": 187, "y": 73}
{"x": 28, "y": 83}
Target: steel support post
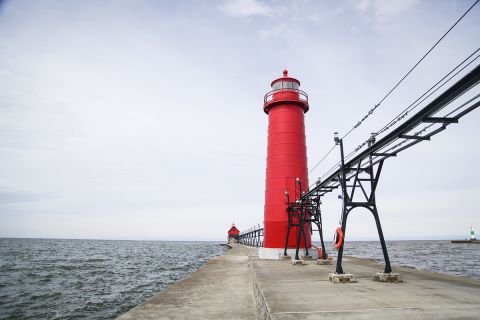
{"x": 318, "y": 217}
{"x": 388, "y": 267}
{"x": 372, "y": 200}
{"x": 369, "y": 203}
{"x": 289, "y": 212}
{"x": 345, "y": 199}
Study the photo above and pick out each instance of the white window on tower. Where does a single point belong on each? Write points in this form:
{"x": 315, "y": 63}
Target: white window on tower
{"x": 290, "y": 85}
{"x": 285, "y": 85}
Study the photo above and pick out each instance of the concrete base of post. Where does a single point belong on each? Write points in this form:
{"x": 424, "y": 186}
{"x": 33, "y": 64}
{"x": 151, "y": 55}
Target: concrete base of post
{"x": 341, "y": 278}
{"x": 277, "y": 253}
{"x": 324, "y": 262}
{"x": 286, "y": 258}
{"x": 307, "y": 258}
{"x": 298, "y": 262}
{"x": 387, "y": 277}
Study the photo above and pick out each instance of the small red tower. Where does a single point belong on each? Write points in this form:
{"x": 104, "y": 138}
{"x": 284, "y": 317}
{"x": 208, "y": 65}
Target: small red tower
{"x": 286, "y": 162}
{"x": 233, "y": 233}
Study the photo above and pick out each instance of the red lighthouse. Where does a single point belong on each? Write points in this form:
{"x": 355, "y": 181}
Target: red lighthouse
{"x": 287, "y": 171}
{"x": 233, "y": 234}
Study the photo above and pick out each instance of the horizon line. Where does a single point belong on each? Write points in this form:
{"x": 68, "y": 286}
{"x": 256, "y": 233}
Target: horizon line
{"x": 356, "y": 239}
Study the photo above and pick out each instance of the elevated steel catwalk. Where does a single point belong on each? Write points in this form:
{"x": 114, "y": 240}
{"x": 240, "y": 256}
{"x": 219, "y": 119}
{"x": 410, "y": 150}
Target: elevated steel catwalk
{"x": 420, "y": 127}
{"x": 252, "y": 237}
{"x": 359, "y": 177}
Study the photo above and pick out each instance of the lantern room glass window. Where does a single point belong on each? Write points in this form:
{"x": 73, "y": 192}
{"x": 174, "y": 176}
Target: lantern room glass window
{"x": 285, "y": 85}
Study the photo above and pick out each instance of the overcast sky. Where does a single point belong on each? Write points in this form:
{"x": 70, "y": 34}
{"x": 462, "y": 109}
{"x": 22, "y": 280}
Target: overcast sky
{"x": 143, "y": 119}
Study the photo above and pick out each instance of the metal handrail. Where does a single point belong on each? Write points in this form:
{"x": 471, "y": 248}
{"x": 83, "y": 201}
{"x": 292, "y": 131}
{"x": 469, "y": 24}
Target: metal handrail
{"x": 252, "y": 237}
{"x": 302, "y": 95}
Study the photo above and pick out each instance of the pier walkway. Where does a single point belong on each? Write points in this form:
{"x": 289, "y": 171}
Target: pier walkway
{"x": 221, "y": 289}
{"x": 238, "y": 285}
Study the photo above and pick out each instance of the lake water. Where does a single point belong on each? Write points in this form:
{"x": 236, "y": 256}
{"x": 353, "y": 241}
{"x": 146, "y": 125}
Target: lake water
{"x": 437, "y": 256}
{"x": 90, "y": 279}
{"x": 93, "y": 279}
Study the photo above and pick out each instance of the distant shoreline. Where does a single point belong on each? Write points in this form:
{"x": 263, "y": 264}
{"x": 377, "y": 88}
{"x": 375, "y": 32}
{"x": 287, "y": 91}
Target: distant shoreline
{"x": 224, "y": 240}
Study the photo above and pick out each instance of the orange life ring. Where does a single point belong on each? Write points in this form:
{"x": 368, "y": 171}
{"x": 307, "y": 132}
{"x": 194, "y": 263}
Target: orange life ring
{"x": 338, "y": 238}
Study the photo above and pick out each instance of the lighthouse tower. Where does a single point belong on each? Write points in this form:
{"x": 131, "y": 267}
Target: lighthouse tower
{"x": 287, "y": 172}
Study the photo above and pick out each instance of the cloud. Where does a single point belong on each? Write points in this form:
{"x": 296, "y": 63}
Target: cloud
{"x": 9, "y": 196}
{"x": 108, "y": 130}
{"x": 245, "y": 8}
{"x": 381, "y": 10}
{"x": 273, "y": 32}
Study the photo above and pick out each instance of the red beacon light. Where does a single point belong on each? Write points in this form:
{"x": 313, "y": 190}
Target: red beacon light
{"x": 285, "y": 89}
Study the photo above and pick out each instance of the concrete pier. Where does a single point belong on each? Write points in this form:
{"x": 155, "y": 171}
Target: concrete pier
{"x": 238, "y": 285}
{"x": 222, "y": 289}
